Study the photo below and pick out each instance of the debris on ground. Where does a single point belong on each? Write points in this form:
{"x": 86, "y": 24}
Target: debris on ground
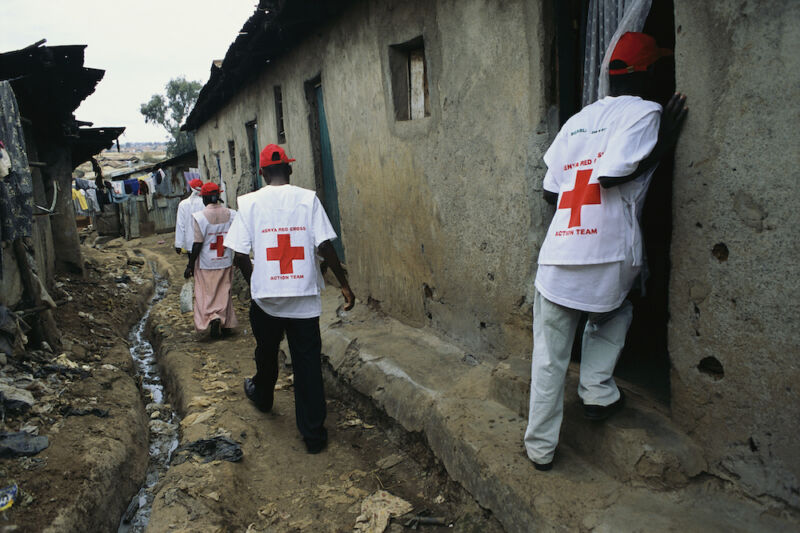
{"x": 21, "y": 444}
{"x": 422, "y": 520}
{"x": 68, "y": 410}
{"x": 353, "y": 421}
{"x": 8, "y": 496}
{"x": 378, "y": 509}
{"x": 389, "y": 461}
{"x": 15, "y": 399}
{"x": 213, "y": 449}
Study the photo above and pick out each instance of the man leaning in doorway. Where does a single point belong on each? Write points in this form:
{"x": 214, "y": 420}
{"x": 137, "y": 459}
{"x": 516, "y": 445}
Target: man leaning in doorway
{"x": 211, "y": 264}
{"x": 285, "y": 227}
{"x": 598, "y": 170}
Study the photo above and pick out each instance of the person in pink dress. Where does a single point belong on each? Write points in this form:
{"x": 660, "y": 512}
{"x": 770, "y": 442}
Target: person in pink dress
{"x": 211, "y": 264}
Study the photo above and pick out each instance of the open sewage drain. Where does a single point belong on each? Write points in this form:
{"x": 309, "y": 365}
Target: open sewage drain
{"x": 163, "y": 425}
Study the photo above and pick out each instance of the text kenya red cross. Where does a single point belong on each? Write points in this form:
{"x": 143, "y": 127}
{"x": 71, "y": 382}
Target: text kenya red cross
{"x": 285, "y": 253}
{"x": 219, "y": 245}
{"x": 582, "y": 194}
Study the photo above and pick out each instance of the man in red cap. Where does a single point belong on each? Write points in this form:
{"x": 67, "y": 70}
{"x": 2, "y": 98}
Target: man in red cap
{"x": 598, "y": 170}
{"x": 184, "y": 234}
{"x": 211, "y": 264}
{"x": 286, "y": 228}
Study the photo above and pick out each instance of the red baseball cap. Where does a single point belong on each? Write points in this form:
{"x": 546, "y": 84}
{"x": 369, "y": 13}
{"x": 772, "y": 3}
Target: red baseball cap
{"x": 638, "y": 51}
{"x": 272, "y": 154}
{"x": 209, "y": 189}
{"x": 195, "y": 183}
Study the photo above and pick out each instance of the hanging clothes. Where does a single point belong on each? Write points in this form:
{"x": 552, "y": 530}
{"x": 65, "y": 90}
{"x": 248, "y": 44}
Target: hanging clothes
{"x": 118, "y": 194}
{"x": 91, "y": 200}
{"x": 131, "y": 186}
{"x": 16, "y": 188}
{"x": 79, "y": 202}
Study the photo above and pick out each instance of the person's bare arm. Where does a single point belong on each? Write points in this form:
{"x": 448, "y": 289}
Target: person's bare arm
{"x": 550, "y": 197}
{"x": 671, "y": 122}
{"x": 242, "y": 262}
{"x": 328, "y": 253}
{"x": 193, "y": 255}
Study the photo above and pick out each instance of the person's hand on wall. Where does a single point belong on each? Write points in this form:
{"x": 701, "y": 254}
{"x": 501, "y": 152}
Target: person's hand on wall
{"x": 672, "y": 119}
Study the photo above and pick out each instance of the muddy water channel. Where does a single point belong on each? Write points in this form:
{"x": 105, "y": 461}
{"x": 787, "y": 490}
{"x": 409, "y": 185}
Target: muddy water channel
{"x": 164, "y": 422}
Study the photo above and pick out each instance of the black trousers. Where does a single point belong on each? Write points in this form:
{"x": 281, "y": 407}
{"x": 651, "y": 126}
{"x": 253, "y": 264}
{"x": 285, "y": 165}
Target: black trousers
{"x": 305, "y": 347}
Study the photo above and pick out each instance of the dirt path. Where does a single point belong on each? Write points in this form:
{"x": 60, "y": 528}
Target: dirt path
{"x": 277, "y": 486}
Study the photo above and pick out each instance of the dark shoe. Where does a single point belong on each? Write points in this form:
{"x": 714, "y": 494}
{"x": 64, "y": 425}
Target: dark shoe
{"x": 253, "y": 396}
{"x": 216, "y": 328}
{"x": 601, "y": 412}
{"x": 315, "y": 446}
{"x": 543, "y": 467}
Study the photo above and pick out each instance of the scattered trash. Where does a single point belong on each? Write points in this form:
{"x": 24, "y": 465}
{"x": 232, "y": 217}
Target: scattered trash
{"x": 8, "y": 496}
{"x": 378, "y": 509}
{"x": 216, "y": 448}
{"x": 439, "y": 500}
{"x": 68, "y": 410}
{"x": 353, "y": 421}
{"x": 187, "y": 296}
{"x": 122, "y": 279}
{"x": 392, "y": 460}
{"x": 427, "y": 521}
{"x": 65, "y": 361}
{"x": 161, "y": 242}
{"x": 21, "y": 443}
{"x": 470, "y": 359}
{"x": 14, "y": 399}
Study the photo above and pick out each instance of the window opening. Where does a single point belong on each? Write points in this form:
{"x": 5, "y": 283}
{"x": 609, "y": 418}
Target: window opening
{"x": 232, "y": 154}
{"x": 409, "y": 73}
{"x": 279, "y": 115}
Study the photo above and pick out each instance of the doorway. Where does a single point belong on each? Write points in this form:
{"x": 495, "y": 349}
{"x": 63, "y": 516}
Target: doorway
{"x": 325, "y": 178}
{"x": 645, "y": 360}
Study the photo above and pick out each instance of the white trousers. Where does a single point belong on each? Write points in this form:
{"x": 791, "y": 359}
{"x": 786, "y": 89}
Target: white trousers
{"x": 553, "y": 333}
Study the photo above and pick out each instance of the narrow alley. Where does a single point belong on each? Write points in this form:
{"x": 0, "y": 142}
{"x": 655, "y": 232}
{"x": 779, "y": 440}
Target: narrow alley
{"x": 98, "y": 421}
{"x": 507, "y": 266}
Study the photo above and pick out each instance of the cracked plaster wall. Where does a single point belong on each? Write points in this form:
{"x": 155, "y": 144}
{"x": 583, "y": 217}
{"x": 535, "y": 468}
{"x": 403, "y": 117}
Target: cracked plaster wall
{"x": 734, "y": 291}
{"x": 442, "y": 217}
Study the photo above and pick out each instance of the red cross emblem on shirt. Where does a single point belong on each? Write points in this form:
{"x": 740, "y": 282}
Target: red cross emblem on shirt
{"x": 286, "y": 253}
{"x": 218, "y": 245}
{"x": 583, "y": 194}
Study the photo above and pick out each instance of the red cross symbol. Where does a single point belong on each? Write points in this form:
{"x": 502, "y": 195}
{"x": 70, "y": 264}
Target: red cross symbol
{"x": 583, "y": 194}
{"x": 286, "y": 253}
{"x": 219, "y": 245}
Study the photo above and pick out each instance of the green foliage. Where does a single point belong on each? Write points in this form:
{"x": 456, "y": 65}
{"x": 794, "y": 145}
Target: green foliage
{"x": 170, "y": 112}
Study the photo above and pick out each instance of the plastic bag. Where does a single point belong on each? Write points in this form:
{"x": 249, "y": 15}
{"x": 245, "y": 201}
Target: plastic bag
{"x": 187, "y": 296}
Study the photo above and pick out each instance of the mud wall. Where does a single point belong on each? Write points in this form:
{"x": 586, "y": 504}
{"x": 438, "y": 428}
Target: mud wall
{"x": 441, "y": 216}
{"x": 734, "y": 291}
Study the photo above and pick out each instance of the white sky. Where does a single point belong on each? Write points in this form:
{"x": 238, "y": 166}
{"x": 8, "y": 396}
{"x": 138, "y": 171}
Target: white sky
{"x": 140, "y": 44}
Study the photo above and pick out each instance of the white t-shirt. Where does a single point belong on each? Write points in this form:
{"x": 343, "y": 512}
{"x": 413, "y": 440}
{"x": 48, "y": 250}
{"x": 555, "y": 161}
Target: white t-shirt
{"x": 283, "y": 225}
{"x": 593, "y": 250}
{"x": 184, "y": 228}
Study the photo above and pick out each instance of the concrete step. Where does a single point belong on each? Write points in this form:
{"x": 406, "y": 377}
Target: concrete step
{"x": 430, "y": 387}
{"x": 639, "y": 443}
